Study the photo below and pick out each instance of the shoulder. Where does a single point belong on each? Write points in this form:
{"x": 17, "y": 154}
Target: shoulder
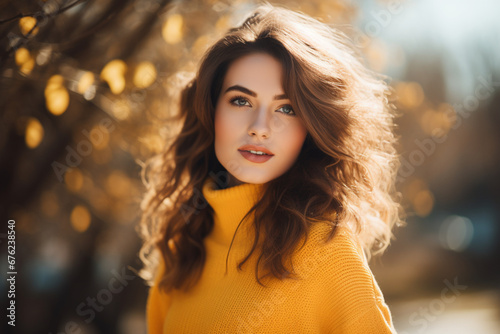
{"x": 337, "y": 258}
{"x": 342, "y": 282}
{"x": 337, "y": 267}
{"x": 157, "y": 298}
{"x": 342, "y": 246}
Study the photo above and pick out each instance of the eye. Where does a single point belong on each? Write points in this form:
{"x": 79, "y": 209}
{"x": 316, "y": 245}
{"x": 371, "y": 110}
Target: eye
{"x": 287, "y": 110}
{"x": 239, "y": 101}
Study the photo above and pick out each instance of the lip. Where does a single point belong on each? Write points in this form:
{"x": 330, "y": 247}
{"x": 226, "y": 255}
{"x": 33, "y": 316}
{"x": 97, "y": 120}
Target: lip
{"x": 254, "y": 157}
{"x": 255, "y": 148}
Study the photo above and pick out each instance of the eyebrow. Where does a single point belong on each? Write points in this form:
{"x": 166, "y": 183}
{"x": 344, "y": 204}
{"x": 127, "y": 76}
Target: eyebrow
{"x": 251, "y": 93}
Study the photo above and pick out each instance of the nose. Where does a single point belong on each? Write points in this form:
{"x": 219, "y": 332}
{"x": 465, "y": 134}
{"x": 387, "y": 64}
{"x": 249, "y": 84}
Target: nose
{"x": 260, "y": 125}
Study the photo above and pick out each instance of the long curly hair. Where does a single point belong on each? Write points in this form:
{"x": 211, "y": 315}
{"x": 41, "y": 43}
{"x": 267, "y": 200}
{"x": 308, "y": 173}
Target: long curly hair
{"x": 344, "y": 175}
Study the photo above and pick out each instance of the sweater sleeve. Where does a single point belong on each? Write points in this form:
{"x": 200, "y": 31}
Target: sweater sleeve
{"x": 156, "y": 306}
{"x": 351, "y": 301}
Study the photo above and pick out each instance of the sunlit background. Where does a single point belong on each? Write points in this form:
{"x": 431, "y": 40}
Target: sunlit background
{"x": 85, "y": 89}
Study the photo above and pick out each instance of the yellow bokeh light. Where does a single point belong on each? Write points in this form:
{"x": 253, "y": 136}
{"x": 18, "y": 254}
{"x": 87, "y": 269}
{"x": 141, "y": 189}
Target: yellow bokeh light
{"x": 99, "y": 132}
{"x": 121, "y": 109}
{"x": 24, "y": 60}
{"x": 73, "y": 179}
{"x": 172, "y": 29}
{"x": 55, "y": 81}
{"x": 432, "y": 120}
{"x": 200, "y": 45}
{"x": 423, "y": 202}
{"x": 28, "y": 66}
{"x": 223, "y": 23}
{"x": 113, "y": 73}
{"x": 410, "y": 94}
{"x": 33, "y": 133}
{"x": 26, "y": 24}
{"x": 86, "y": 80}
{"x": 154, "y": 143}
{"x": 56, "y": 95}
{"x": 377, "y": 55}
{"x": 80, "y": 218}
{"x": 149, "y": 142}
{"x": 448, "y": 117}
{"x": 118, "y": 184}
{"x": 57, "y": 100}
{"x": 145, "y": 74}
{"x": 414, "y": 187}
{"x": 22, "y": 56}
{"x": 117, "y": 85}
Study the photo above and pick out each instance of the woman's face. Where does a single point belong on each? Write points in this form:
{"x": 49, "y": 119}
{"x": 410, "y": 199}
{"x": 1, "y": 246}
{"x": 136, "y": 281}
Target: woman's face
{"x": 253, "y": 110}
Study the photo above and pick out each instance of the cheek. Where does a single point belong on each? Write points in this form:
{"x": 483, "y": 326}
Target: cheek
{"x": 219, "y": 126}
{"x": 224, "y": 129}
{"x": 294, "y": 139}
{"x": 228, "y": 124}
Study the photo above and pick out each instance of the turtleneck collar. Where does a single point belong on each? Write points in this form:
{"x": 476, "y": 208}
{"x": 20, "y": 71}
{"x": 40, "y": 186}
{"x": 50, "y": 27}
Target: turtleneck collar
{"x": 230, "y": 205}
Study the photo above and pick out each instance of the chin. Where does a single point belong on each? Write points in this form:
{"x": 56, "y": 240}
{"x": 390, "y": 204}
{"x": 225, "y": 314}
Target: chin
{"x": 255, "y": 179}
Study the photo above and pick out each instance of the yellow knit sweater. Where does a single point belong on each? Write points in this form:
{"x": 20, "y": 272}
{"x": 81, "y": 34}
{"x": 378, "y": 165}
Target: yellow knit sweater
{"x": 337, "y": 292}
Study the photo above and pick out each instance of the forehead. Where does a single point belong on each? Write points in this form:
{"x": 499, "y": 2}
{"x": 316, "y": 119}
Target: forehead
{"x": 256, "y": 70}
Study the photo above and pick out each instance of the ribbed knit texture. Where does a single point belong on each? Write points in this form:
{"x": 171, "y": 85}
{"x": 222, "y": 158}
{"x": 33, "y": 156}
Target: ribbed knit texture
{"x": 337, "y": 293}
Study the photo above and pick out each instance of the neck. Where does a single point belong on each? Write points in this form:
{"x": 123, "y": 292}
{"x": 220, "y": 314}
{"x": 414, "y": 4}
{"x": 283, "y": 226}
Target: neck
{"x": 230, "y": 205}
{"x": 231, "y": 182}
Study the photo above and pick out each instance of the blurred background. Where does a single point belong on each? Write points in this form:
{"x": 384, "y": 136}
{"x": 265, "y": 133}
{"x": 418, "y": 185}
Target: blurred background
{"x": 86, "y": 86}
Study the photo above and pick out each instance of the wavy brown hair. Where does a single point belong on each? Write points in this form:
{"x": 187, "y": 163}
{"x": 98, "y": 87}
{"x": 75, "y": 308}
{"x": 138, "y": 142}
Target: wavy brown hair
{"x": 344, "y": 175}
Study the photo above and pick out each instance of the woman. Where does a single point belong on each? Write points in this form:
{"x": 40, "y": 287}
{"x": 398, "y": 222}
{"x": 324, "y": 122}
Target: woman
{"x": 262, "y": 213}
